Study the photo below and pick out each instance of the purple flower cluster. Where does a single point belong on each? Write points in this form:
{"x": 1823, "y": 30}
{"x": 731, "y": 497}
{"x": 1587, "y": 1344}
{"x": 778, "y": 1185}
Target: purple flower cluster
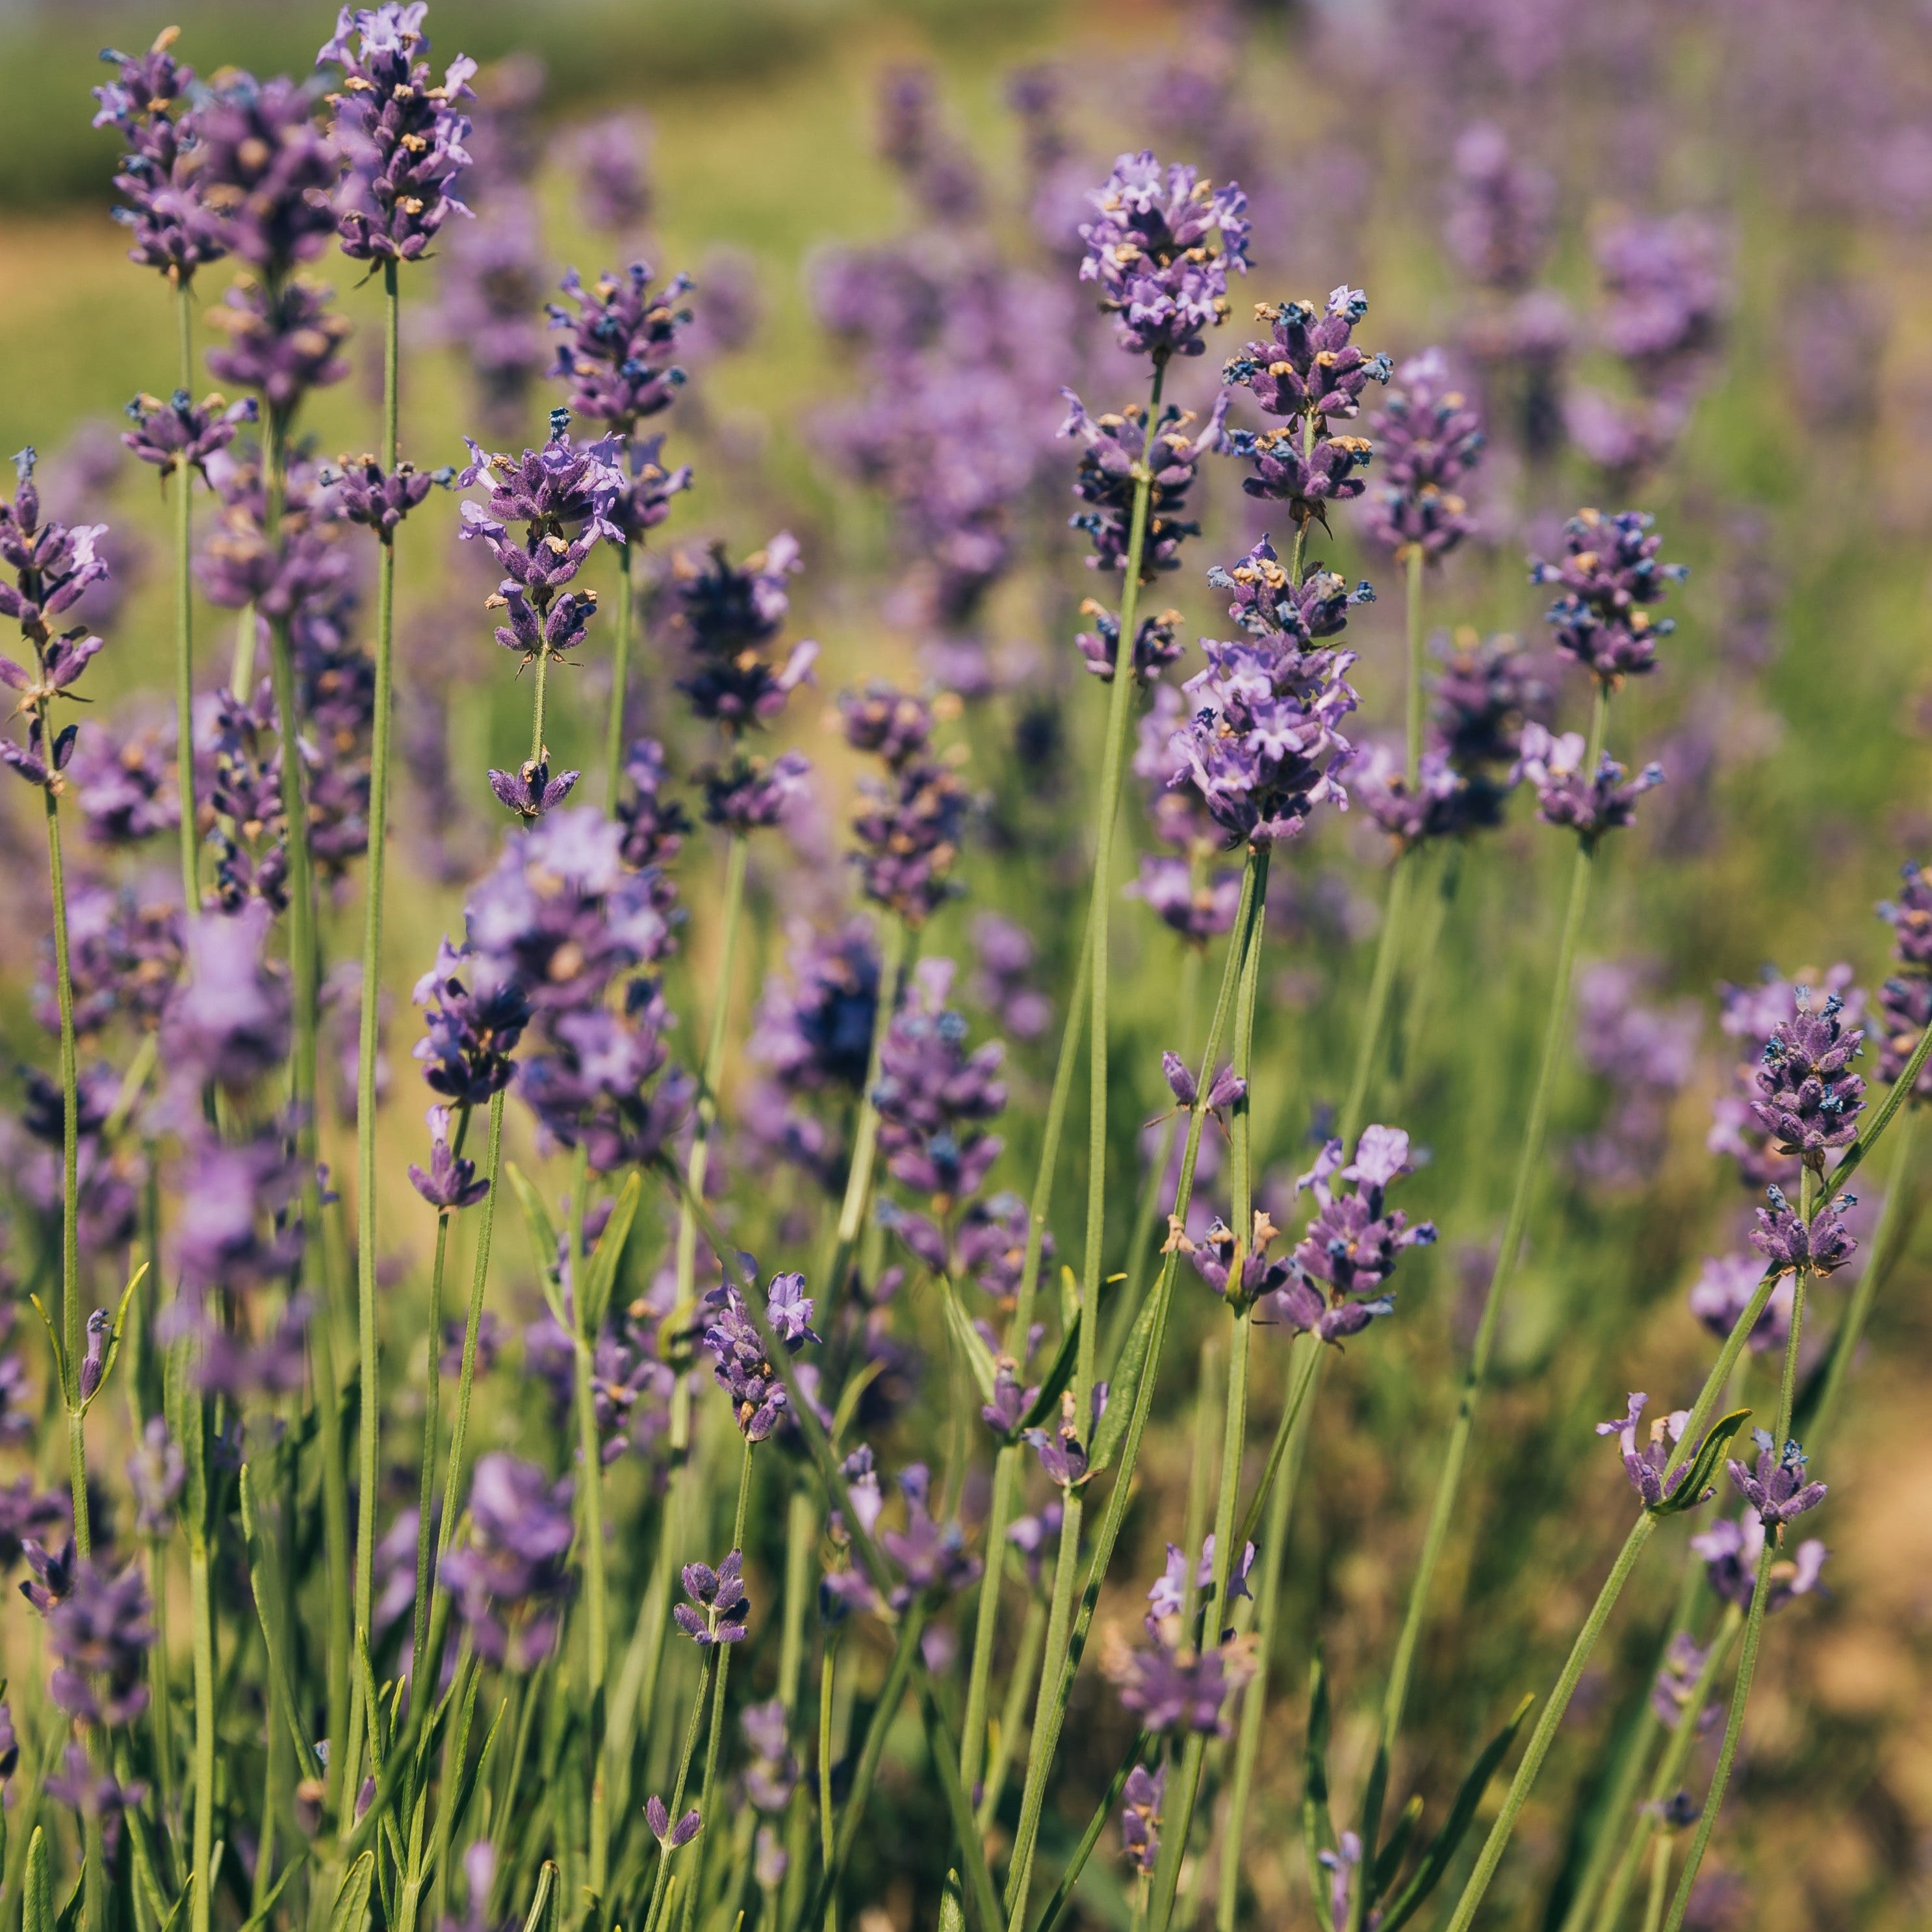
{"x": 724, "y": 615}
{"x": 1751, "y": 1014}
{"x": 1905, "y": 999}
{"x": 1648, "y": 1468}
{"x": 1645, "y": 1054}
{"x": 401, "y": 135}
{"x": 1552, "y": 762}
{"x": 1428, "y": 438}
{"x": 1501, "y": 211}
{"x": 1151, "y": 249}
{"x": 1774, "y": 1486}
{"x": 1788, "y": 1243}
{"x": 910, "y": 830}
{"x": 1731, "y": 1548}
{"x": 1809, "y": 1099}
{"x": 182, "y": 434}
{"x": 929, "y": 1556}
{"x": 124, "y": 956}
{"x": 1263, "y": 747}
{"x": 1141, "y": 1799}
{"x": 718, "y": 1606}
{"x": 101, "y": 1631}
{"x": 1722, "y": 1292}
{"x": 1350, "y": 1249}
{"x": 509, "y": 1579}
{"x": 743, "y": 1370}
{"x": 1608, "y": 577}
{"x": 1118, "y": 452}
{"x": 616, "y": 355}
{"x": 173, "y": 229}
{"x": 1169, "y": 1683}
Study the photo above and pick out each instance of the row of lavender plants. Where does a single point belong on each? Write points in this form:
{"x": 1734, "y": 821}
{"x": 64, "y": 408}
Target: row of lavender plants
{"x": 339, "y": 1621}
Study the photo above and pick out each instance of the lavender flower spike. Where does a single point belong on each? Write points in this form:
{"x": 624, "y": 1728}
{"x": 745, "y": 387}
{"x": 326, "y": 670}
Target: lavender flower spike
{"x": 1646, "y": 1467}
{"x": 672, "y": 1838}
{"x": 1776, "y": 1487}
{"x": 1811, "y": 1097}
{"x": 718, "y": 1605}
{"x": 1352, "y": 1245}
{"x": 1428, "y": 439}
{"x": 1782, "y": 1237}
{"x": 1608, "y": 577}
{"x": 1553, "y": 764}
{"x": 452, "y": 1180}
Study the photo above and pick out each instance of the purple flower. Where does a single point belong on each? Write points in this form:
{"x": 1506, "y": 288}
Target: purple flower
{"x": 1724, "y": 1290}
{"x": 773, "y": 1774}
{"x": 96, "y": 1794}
{"x": 725, "y": 616}
{"x": 1910, "y": 915}
{"x": 1171, "y": 1686}
{"x": 1010, "y": 1402}
{"x": 563, "y": 494}
{"x": 489, "y": 297}
{"x": 740, "y": 1364}
{"x": 1788, "y": 1244}
{"x": 1198, "y": 910}
{"x": 814, "y": 1034}
{"x": 530, "y": 791}
{"x": 469, "y": 1036}
{"x": 232, "y": 1194}
{"x": 1684, "y": 1663}
{"x": 266, "y": 169}
{"x": 1151, "y": 249}
{"x": 508, "y": 1579}
{"x": 1590, "y": 808}
{"x": 156, "y": 1471}
{"x": 654, "y": 825}
{"x": 749, "y": 792}
{"x": 610, "y": 157}
{"x": 1438, "y": 806}
{"x": 1809, "y": 1098}
{"x": 1004, "y": 956}
{"x": 101, "y": 1633}
{"x": 910, "y": 829}
{"x": 1270, "y": 606}
{"x": 1154, "y": 645}
{"x": 360, "y": 491}
{"x": 1168, "y": 1596}
{"x": 1063, "y": 1454}
{"x": 1311, "y": 367}
{"x": 1117, "y": 451}
{"x": 1501, "y": 211}
{"x": 672, "y": 1838}
{"x": 26, "y": 1518}
{"x": 18, "y": 1420}
{"x": 617, "y": 351}
{"x": 1905, "y": 999}
{"x": 1429, "y": 439}
{"x": 452, "y": 1180}
{"x": 52, "y": 566}
{"x": 173, "y": 230}
{"x": 930, "y": 1557}
{"x": 180, "y": 434}
{"x": 718, "y": 1605}
{"x": 127, "y": 790}
{"x": 227, "y": 1022}
{"x": 53, "y": 1573}
{"x": 1776, "y": 1487}
{"x": 1485, "y": 690}
{"x": 123, "y": 958}
{"x": 1141, "y": 1799}
{"x": 1731, "y": 1548}
{"x": 935, "y": 1097}
{"x": 10, "y": 1745}
{"x": 1341, "y": 1865}
{"x": 1607, "y": 579}
{"x": 282, "y": 341}
{"x": 1648, "y": 1468}
{"x": 401, "y": 136}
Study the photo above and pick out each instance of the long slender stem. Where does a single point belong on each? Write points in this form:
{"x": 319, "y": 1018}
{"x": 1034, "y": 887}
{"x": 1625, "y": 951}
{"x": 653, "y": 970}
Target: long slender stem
{"x": 432, "y": 1428}
{"x": 1659, "y": 1882}
{"x": 677, "y": 1808}
{"x": 620, "y": 682}
{"x": 73, "y": 1334}
{"x": 826, "y": 1847}
{"x": 184, "y": 623}
{"x": 202, "y": 1618}
{"x": 719, "y": 1678}
{"x": 1058, "y": 1672}
{"x": 465, "y": 1381}
{"x": 895, "y": 947}
{"x": 1012, "y": 1711}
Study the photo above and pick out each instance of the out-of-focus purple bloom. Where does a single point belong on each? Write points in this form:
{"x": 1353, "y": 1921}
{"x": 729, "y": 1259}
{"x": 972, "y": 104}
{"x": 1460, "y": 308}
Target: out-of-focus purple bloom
{"x": 1501, "y": 211}
{"x": 1198, "y": 911}
{"x": 1910, "y": 915}
{"x": 1155, "y": 647}
{"x": 53, "y": 1572}
{"x": 96, "y": 1794}
{"x": 157, "y": 1471}
{"x": 718, "y": 1605}
{"x": 1785, "y": 1241}
{"x": 281, "y": 341}
{"x": 1485, "y": 690}
{"x": 1647, "y": 1467}
{"x": 509, "y": 1579}
{"x": 930, "y": 1556}
{"x": 123, "y": 957}
{"x": 181, "y": 434}
{"x": 1723, "y": 1290}
{"x": 1666, "y": 290}
{"x": 654, "y": 825}
{"x": 17, "y": 1420}
{"x": 1553, "y": 764}
{"x": 228, "y": 1193}
{"x": 50, "y": 566}
{"x": 1141, "y": 1799}
{"x": 1152, "y": 250}
{"x": 173, "y": 230}
{"x": 1670, "y": 1694}
{"x": 1168, "y": 1596}
{"x": 773, "y": 1774}
{"x": 469, "y": 1035}
{"x": 1117, "y": 451}
{"x": 748, "y": 792}
{"x": 401, "y": 136}
{"x": 1428, "y": 439}
{"x": 452, "y": 1180}
{"x": 616, "y": 355}
{"x": 1341, "y": 1865}
{"x": 1607, "y": 580}
{"x": 1436, "y": 807}
{"x": 10, "y": 1745}
{"x": 1809, "y": 1100}
{"x": 1905, "y": 999}
{"x": 1775, "y": 1486}
{"x": 227, "y": 1022}
{"x": 909, "y": 831}
{"x": 1172, "y": 1687}
{"x": 127, "y": 790}
{"x": 935, "y": 1097}
{"x": 489, "y": 299}
{"x": 101, "y": 1632}
{"x": 266, "y": 171}
{"x": 1731, "y": 1548}
{"x": 610, "y": 158}
{"x": 27, "y": 1517}
{"x": 724, "y": 615}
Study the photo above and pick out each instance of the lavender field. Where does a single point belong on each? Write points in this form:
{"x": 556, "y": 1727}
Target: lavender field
{"x": 968, "y": 967}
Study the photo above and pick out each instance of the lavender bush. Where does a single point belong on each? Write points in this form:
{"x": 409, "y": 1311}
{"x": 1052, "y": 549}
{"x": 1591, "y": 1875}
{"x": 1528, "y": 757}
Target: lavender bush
{"x": 708, "y": 1473}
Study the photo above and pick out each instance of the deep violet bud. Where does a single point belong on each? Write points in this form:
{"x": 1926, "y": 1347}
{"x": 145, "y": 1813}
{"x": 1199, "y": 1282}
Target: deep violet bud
{"x": 1152, "y": 250}
{"x": 360, "y": 491}
{"x": 814, "y": 1032}
{"x": 530, "y": 791}
{"x": 672, "y": 1838}
{"x": 616, "y": 355}
{"x": 725, "y": 615}
{"x": 1775, "y": 1487}
{"x": 1910, "y": 915}
{"x": 1118, "y": 452}
{"x": 893, "y": 725}
{"x": 148, "y": 102}
{"x": 1155, "y": 645}
{"x": 50, "y": 567}
{"x": 266, "y": 170}
{"x": 1310, "y": 367}
{"x": 1351, "y": 1246}
{"x": 156, "y": 1472}
{"x": 1905, "y": 999}
{"x": 469, "y": 1037}
{"x": 400, "y": 135}
{"x": 182, "y": 434}
{"x": 1062, "y": 1451}
{"x": 718, "y": 1605}
{"x": 10, "y": 1745}
{"x": 1608, "y": 577}
{"x": 1809, "y": 1099}
{"x": 749, "y": 792}
{"x": 53, "y": 1571}
{"x": 1731, "y": 1548}
{"x": 1552, "y": 764}
{"x": 509, "y": 1578}
{"x": 1141, "y": 1799}
{"x": 654, "y": 825}
{"x": 1428, "y": 439}
{"x": 1197, "y": 911}
{"x": 1647, "y": 1467}
{"x": 1782, "y": 1237}
{"x": 101, "y": 1632}
{"x": 34, "y": 762}
{"x": 1010, "y": 1402}
{"x": 93, "y": 1362}
{"x": 283, "y": 341}
{"x": 935, "y": 1097}
{"x": 740, "y": 1364}
{"x": 452, "y": 1180}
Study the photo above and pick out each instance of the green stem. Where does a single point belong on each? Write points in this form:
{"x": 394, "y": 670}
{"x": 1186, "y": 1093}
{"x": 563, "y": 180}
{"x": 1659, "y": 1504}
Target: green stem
{"x": 537, "y": 707}
{"x": 826, "y": 1844}
{"x": 1006, "y": 1489}
{"x": 465, "y": 1381}
{"x": 1412, "y": 616}
{"x": 720, "y": 1677}
{"x": 202, "y": 1617}
{"x": 184, "y": 625}
{"x": 1057, "y": 1906}
{"x": 1381, "y": 989}
{"x": 1544, "y": 1734}
{"x": 432, "y": 1428}
{"x": 620, "y": 681}
{"x": 1659, "y": 1882}
{"x": 1059, "y": 1670}
{"x": 1012, "y": 1711}
{"x": 1670, "y": 1771}
{"x": 895, "y": 957}
{"x": 327, "y": 1395}
{"x": 677, "y": 1808}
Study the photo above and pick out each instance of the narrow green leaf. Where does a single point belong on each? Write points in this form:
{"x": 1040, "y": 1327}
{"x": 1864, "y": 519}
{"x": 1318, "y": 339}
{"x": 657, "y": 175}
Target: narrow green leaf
{"x": 467, "y": 1775}
{"x": 1318, "y": 1827}
{"x": 265, "y": 1581}
{"x": 119, "y": 1329}
{"x": 264, "y": 1911}
{"x": 951, "y": 1918}
{"x": 971, "y": 1343}
{"x": 352, "y": 1902}
{"x": 542, "y": 1916}
{"x": 1069, "y": 1297}
{"x": 1703, "y": 1466}
{"x": 36, "y": 1907}
{"x": 1112, "y": 1428}
{"x": 53, "y": 1342}
{"x": 1059, "y": 1373}
{"x": 1388, "y": 1860}
{"x": 944, "y": 1751}
{"x": 543, "y": 1239}
{"x": 1441, "y": 1848}
{"x": 600, "y": 1274}
{"x": 70, "y": 1913}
